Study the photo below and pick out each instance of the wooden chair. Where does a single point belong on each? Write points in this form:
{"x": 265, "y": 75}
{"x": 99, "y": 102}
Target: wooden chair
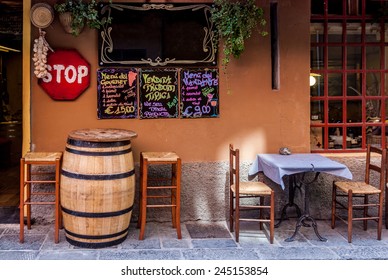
{"x": 240, "y": 190}
{"x": 151, "y": 191}
{"x": 357, "y": 195}
{"x": 29, "y": 197}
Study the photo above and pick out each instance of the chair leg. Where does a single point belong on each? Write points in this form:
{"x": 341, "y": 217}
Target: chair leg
{"x": 272, "y": 218}
{"x": 333, "y": 205}
{"x": 380, "y": 215}
{"x": 350, "y": 215}
{"x": 386, "y": 208}
{"x": 261, "y": 212}
{"x": 237, "y": 217}
{"x": 365, "y": 222}
{"x": 231, "y": 210}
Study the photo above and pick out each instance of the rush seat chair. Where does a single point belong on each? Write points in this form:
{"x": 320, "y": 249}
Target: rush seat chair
{"x": 159, "y": 191}
{"x": 240, "y": 190}
{"x": 29, "y": 177}
{"x": 355, "y": 197}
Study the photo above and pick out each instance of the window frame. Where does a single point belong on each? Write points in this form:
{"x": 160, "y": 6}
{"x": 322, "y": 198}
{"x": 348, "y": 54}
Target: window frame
{"x": 344, "y": 125}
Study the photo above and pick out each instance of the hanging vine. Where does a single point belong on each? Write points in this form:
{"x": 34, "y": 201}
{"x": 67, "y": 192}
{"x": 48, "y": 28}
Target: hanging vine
{"x": 234, "y": 21}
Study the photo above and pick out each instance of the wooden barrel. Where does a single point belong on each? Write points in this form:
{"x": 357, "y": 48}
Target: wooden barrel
{"x": 97, "y": 187}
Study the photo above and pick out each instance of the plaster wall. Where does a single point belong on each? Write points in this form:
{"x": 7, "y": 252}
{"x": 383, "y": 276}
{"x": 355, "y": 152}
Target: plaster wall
{"x": 252, "y": 116}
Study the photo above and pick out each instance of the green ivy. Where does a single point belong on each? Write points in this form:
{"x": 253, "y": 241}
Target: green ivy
{"x": 234, "y": 22}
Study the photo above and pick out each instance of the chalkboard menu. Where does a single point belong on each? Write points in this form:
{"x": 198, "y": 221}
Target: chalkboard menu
{"x": 199, "y": 93}
{"x": 117, "y": 93}
{"x": 158, "y": 93}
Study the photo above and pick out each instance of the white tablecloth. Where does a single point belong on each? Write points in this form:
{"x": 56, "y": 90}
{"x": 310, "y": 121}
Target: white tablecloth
{"x": 275, "y": 166}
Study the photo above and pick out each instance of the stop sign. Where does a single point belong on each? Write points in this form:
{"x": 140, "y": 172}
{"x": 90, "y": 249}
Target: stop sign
{"x": 68, "y": 75}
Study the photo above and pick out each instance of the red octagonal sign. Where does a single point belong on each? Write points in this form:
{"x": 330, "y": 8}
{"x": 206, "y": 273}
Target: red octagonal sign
{"x": 68, "y": 75}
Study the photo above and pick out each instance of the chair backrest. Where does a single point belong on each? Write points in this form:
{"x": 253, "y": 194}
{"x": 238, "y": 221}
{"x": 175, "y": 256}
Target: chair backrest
{"x": 381, "y": 169}
{"x": 234, "y": 166}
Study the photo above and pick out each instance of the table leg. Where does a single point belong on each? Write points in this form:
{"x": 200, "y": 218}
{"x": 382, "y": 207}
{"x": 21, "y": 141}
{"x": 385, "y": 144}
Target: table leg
{"x": 291, "y": 195}
{"x": 306, "y": 216}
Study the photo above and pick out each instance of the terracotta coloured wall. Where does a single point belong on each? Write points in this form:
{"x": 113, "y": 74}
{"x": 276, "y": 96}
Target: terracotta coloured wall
{"x": 253, "y": 116}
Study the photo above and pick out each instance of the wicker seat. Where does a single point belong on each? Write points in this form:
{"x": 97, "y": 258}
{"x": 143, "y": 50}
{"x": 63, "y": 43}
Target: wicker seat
{"x": 29, "y": 178}
{"x": 358, "y": 194}
{"x": 240, "y": 190}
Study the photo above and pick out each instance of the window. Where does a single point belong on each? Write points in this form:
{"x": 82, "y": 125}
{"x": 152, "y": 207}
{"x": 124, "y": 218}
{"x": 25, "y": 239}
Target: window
{"x": 348, "y": 76}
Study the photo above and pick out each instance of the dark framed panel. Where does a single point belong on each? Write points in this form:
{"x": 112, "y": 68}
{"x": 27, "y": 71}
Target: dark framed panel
{"x": 199, "y": 93}
{"x": 157, "y": 35}
{"x": 117, "y": 93}
{"x": 158, "y": 93}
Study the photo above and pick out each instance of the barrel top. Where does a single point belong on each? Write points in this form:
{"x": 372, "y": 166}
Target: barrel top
{"x": 102, "y": 134}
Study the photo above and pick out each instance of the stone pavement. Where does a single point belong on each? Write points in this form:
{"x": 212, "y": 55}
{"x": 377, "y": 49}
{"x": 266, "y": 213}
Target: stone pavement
{"x": 202, "y": 241}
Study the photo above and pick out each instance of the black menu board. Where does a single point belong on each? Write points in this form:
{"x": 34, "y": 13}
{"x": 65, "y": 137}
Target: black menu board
{"x": 117, "y": 93}
{"x": 158, "y": 93}
{"x": 199, "y": 93}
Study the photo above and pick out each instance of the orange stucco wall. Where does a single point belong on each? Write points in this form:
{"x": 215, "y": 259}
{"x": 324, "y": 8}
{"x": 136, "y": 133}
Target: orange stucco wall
{"x": 252, "y": 116}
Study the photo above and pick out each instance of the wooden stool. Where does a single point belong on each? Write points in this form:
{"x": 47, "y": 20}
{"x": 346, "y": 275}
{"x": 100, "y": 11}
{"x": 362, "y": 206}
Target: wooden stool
{"x": 150, "y": 158}
{"x": 26, "y": 181}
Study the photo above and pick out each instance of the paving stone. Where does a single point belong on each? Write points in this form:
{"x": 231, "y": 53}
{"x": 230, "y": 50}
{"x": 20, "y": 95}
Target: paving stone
{"x": 220, "y": 254}
{"x": 297, "y": 253}
{"x": 141, "y": 255}
{"x": 18, "y": 255}
{"x": 31, "y": 242}
{"x": 299, "y": 240}
{"x": 175, "y": 243}
{"x": 213, "y": 243}
{"x": 207, "y": 230}
{"x": 161, "y": 243}
{"x": 363, "y": 253}
{"x": 147, "y": 243}
{"x": 69, "y": 255}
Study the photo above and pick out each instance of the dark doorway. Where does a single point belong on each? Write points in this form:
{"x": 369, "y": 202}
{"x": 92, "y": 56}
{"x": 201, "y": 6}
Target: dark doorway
{"x": 11, "y": 15}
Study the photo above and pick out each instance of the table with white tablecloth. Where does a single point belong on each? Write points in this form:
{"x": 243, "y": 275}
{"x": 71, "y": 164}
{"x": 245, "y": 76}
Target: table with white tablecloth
{"x": 276, "y": 166}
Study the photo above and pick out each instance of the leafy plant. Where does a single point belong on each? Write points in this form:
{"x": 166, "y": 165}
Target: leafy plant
{"x": 82, "y": 13}
{"x": 234, "y": 22}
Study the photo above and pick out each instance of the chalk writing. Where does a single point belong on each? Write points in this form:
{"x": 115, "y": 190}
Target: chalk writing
{"x": 158, "y": 93}
{"x": 199, "y": 93}
{"x": 117, "y": 93}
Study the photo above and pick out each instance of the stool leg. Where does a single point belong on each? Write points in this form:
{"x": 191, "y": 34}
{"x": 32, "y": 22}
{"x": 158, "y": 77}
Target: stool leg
{"x": 173, "y": 194}
{"x": 178, "y": 198}
{"x": 57, "y": 214}
{"x": 143, "y": 209}
{"x": 21, "y": 205}
{"x": 140, "y": 190}
{"x": 28, "y": 194}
